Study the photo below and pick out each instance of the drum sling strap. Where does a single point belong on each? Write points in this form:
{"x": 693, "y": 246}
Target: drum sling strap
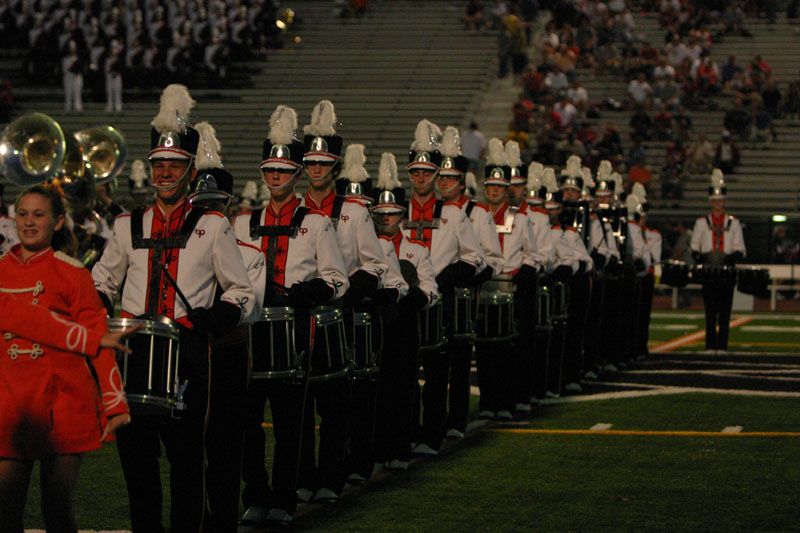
{"x": 715, "y": 230}
{"x": 422, "y": 225}
{"x": 256, "y": 231}
{"x": 158, "y": 246}
{"x": 336, "y": 212}
{"x": 470, "y": 206}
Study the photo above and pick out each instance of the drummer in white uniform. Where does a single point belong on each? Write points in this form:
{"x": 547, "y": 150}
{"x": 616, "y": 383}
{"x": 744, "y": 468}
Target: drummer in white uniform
{"x": 304, "y": 269}
{"x": 718, "y": 243}
{"x": 157, "y": 258}
{"x": 652, "y": 242}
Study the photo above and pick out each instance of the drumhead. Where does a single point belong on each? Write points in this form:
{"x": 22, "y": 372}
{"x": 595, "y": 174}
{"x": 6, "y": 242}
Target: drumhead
{"x": 160, "y": 327}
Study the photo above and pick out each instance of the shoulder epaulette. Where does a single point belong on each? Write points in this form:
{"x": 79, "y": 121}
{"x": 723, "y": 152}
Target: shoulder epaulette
{"x": 384, "y": 237}
{"x": 214, "y": 213}
{"x": 68, "y": 259}
{"x": 312, "y": 211}
{"x": 245, "y": 245}
{"x": 416, "y": 242}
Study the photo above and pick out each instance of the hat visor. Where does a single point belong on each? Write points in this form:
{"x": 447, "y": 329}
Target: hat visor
{"x": 169, "y": 153}
{"x": 388, "y": 209}
{"x": 495, "y": 181}
{"x": 275, "y": 162}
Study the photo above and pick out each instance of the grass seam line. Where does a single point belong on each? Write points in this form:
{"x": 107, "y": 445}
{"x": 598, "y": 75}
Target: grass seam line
{"x": 622, "y": 432}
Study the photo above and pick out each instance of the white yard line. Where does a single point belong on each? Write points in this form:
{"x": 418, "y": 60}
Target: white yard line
{"x": 775, "y": 329}
{"x": 670, "y": 327}
{"x": 662, "y": 391}
{"x": 732, "y": 429}
{"x": 601, "y": 427}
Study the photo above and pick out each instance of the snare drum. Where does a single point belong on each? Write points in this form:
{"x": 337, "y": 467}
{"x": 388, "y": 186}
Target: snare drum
{"x": 463, "y": 323}
{"x": 328, "y": 360}
{"x": 753, "y": 281}
{"x": 150, "y": 372}
{"x": 543, "y": 318}
{"x": 559, "y": 301}
{"x": 714, "y": 274}
{"x": 272, "y": 342}
{"x": 495, "y": 320}
{"x": 365, "y": 355}
{"x": 675, "y": 273}
{"x": 431, "y": 327}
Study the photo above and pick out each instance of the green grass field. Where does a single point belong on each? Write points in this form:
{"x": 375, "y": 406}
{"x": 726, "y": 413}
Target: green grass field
{"x": 498, "y": 480}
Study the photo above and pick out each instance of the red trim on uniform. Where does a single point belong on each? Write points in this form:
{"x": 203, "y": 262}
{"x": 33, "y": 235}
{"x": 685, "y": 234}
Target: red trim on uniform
{"x": 397, "y": 240}
{"x": 500, "y": 219}
{"x": 282, "y": 218}
{"x": 424, "y": 213}
{"x": 570, "y": 228}
{"x": 524, "y": 208}
{"x": 16, "y": 253}
{"x": 538, "y": 210}
{"x": 718, "y": 236}
{"x": 161, "y": 228}
{"x": 326, "y": 206}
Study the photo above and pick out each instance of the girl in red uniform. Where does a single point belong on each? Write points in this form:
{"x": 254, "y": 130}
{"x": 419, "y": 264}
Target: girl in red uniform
{"x": 52, "y": 409}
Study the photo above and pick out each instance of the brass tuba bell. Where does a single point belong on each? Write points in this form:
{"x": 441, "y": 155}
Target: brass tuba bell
{"x": 32, "y": 149}
{"x": 104, "y": 150}
{"x": 74, "y": 178}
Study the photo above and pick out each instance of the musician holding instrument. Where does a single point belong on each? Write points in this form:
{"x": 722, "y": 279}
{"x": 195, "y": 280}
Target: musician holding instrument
{"x": 168, "y": 261}
{"x": 304, "y": 269}
{"x": 54, "y": 408}
{"x": 457, "y": 258}
{"x": 717, "y": 245}
{"x": 400, "y": 357}
{"x": 451, "y": 184}
{"x": 652, "y": 242}
{"x": 323, "y": 480}
{"x": 496, "y": 359}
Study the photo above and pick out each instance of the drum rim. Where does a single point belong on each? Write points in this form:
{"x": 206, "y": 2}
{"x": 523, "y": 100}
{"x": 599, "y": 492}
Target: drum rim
{"x": 276, "y": 314}
{"x": 496, "y": 297}
{"x": 326, "y": 315}
{"x": 161, "y": 327}
{"x": 464, "y": 293}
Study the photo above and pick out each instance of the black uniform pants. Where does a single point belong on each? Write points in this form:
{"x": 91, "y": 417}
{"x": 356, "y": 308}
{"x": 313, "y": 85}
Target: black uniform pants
{"x": 495, "y": 365}
{"x": 396, "y": 388}
{"x": 229, "y": 370}
{"x": 613, "y": 332}
{"x": 580, "y": 292}
{"x": 595, "y": 323}
{"x": 523, "y": 346}
{"x": 139, "y": 447}
{"x": 717, "y": 300}
{"x": 647, "y": 284}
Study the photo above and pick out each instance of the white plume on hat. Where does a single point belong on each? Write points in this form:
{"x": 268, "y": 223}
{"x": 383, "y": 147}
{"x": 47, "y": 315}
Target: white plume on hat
{"x": 535, "y": 172}
{"x": 640, "y": 192}
{"x": 513, "y": 156}
{"x": 426, "y": 136}
{"x": 208, "y": 148}
{"x": 173, "y": 114}
{"x": 604, "y": 170}
{"x": 266, "y": 194}
{"x": 323, "y": 119}
{"x": 138, "y": 173}
{"x": 588, "y": 181}
{"x": 387, "y": 172}
{"x": 471, "y": 181}
{"x": 632, "y": 202}
{"x": 717, "y": 178}
{"x": 282, "y": 125}
{"x": 497, "y": 154}
{"x": 573, "y": 168}
{"x": 549, "y": 180}
{"x": 450, "y": 145}
{"x": 617, "y": 179}
{"x": 354, "y": 160}
{"x": 250, "y": 191}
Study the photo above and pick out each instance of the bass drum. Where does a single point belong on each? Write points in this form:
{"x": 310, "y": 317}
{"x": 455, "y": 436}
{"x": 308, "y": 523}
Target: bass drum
{"x": 675, "y": 273}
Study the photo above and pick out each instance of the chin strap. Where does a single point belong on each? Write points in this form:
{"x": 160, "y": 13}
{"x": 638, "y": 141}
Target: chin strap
{"x": 452, "y": 187}
{"x": 418, "y": 187}
{"x": 286, "y": 185}
{"x": 174, "y": 184}
{"x": 324, "y": 177}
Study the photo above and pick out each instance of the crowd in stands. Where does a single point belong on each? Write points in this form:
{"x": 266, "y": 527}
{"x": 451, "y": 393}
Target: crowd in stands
{"x": 147, "y": 43}
{"x": 667, "y": 83}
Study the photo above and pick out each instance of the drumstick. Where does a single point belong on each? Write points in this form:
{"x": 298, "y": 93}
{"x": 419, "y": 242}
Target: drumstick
{"x": 178, "y": 291}
{"x": 279, "y": 286}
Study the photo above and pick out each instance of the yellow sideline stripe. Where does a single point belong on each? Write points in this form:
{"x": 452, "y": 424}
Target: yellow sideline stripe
{"x": 692, "y": 337}
{"x": 645, "y": 433}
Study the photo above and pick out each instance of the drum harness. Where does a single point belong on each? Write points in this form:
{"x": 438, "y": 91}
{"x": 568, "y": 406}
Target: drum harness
{"x": 422, "y": 225}
{"x": 256, "y": 231}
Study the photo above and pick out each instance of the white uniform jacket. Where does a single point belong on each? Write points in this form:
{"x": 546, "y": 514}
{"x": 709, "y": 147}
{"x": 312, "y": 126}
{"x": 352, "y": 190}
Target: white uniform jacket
{"x": 301, "y": 254}
{"x": 517, "y": 240}
{"x": 483, "y": 223}
{"x": 355, "y": 232}
{"x": 545, "y": 250}
{"x": 210, "y": 257}
{"x": 8, "y": 230}
{"x": 254, "y": 263}
{"x": 652, "y": 241}
{"x": 394, "y": 276}
{"x": 601, "y": 239}
{"x": 449, "y": 237}
{"x": 636, "y": 246}
{"x": 566, "y": 252}
{"x": 726, "y": 236}
{"x": 418, "y": 255}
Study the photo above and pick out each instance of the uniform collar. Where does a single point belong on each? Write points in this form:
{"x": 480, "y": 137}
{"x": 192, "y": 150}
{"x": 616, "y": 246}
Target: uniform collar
{"x": 461, "y": 201}
{"x": 327, "y": 203}
{"x": 419, "y": 208}
{"x": 500, "y": 216}
{"x": 16, "y": 253}
{"x": 288, "y": 207}
{"x": 177, "y": 212}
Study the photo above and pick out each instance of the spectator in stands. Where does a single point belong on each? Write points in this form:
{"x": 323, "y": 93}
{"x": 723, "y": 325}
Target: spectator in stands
{"x": 706, "y": 77}
{"x": 666, "y": 91}
{"x": 610, "y": 146}
{"x": 663, "y": 70}
{"x": 641, "y": 125}
{"x": 578, "y": 96}
{"x": 359, "y": 8}
{"x": 586, "y": 135}
{"x": 586, "y": 39}
{"x": 640, "y": 173}
{"x": 764, "y": 128}
{"x": 669, "y": 12}
{"x": 639, "y": 92}
{"x": 682, "y": 122}
{"x": 636, "y": 152}
{"x": 729, "y": 71}
{"x": 675, "y": 51}
{"x": 673, "y": 171}
{"x": 529, "y": 12}
{"x": 556, "y": 82}
{"x": 771, "y": 98}
{"x": 758, "y": 70}
{"x": 113, "y": 68}
{"x": 733, "y": 20}
{"x": 533, "y": 83}
{"x": 650, "y": 58}
{"x": 550, "y": 40}
{"x": 564, "y": 60}
{"x": 473, "y": 146}
{"x": 523, "y": 139}
{"x": 497, "y": 12}
{"x": 522, "y": 115}
{"x": 748, "y": 94}
{"x": 700, "y": 155}
{"x": 792, "y": 105}
{"x": 569, "y": 146}
{"x": 473, "y": 15}
{"x": 608, "y": 58}
{"x": 216, "y": 60}
{"x": 6, "y": 100}
{"x": 738, "y": 121}
{"x": 517, "y": 45}
{"x": 726, "y": 154}
{"x": 567, "y": 113}
{"x": 72, "y": 67}
{"x": 663, "y": 123}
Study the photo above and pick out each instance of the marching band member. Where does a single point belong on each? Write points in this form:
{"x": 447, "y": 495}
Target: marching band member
{"x": 366, "y": 269}
{"x": 457, "y": 258}
{"x": 717, "y": 241}
{"x": 637, "y": 250}
{"x": 304, "y": 269}
{"x": 652, "y": 241}
{"x": 213, "y": 189}
{"x": 157, "y": 258}
{"x": 400, "y": 356}
{"x": 451, "y": 185}
{"x": 8, "y": 233}
{"x": 525, "y": 299}
{"x": 575, "y": 219}
{"x": 496, "y": 362}
{"x": 52, "y": 410}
